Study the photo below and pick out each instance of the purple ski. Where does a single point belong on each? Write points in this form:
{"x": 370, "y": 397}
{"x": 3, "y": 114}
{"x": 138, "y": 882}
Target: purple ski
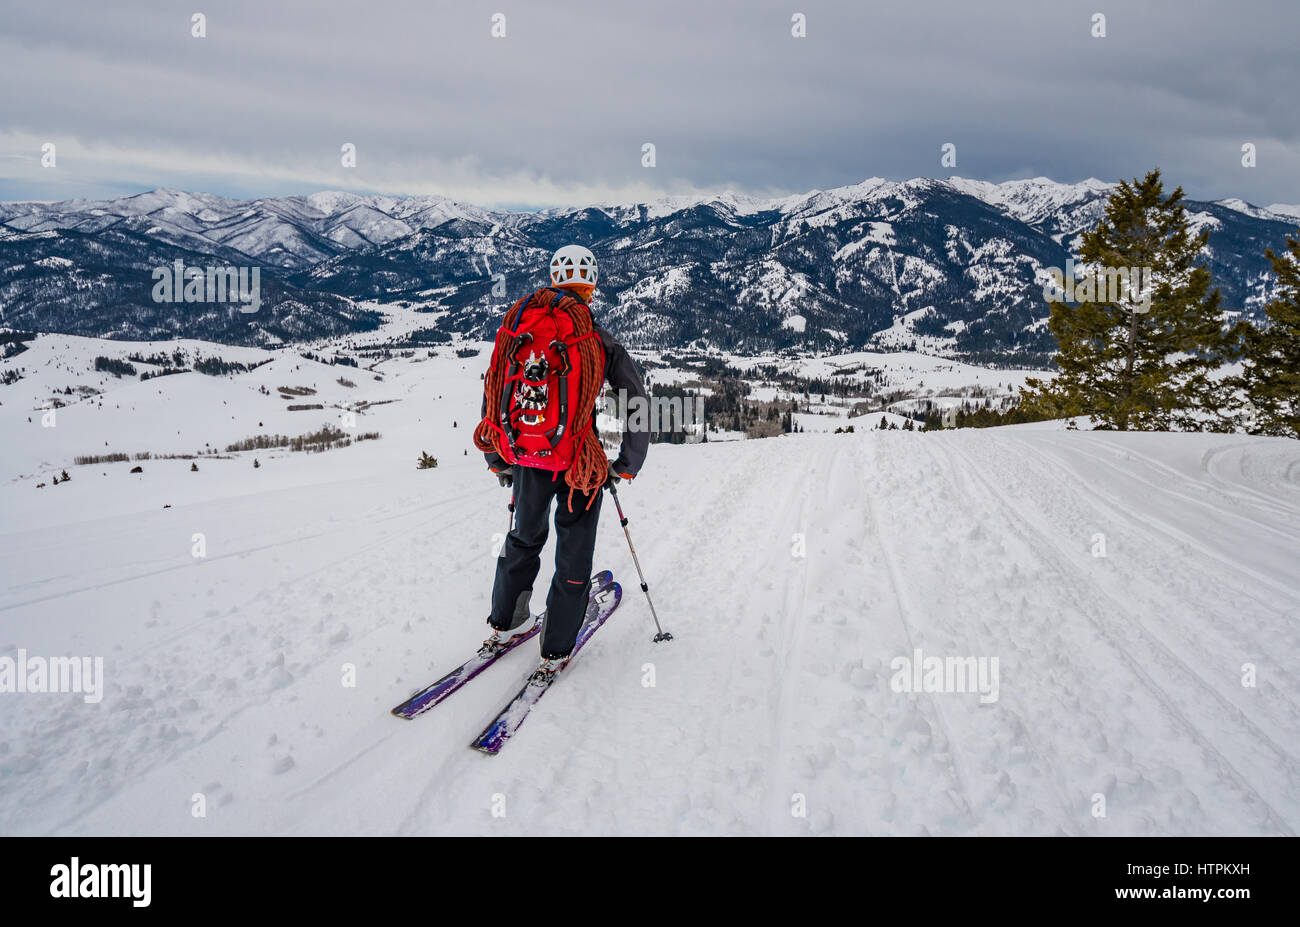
{"x": 438, "y": 692}
{"x": 505, "y": 724}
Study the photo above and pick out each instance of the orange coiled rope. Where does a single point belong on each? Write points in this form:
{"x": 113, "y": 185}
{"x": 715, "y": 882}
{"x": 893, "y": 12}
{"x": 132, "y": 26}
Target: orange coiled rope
{"x": 590, "y": 467}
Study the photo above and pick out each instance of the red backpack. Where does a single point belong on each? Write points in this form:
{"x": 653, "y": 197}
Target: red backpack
{"x": 547, "y": 368}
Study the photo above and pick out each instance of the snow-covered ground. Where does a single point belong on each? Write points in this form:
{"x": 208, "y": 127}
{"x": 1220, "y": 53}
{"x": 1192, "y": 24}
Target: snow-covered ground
{"x": 794, "y": 572}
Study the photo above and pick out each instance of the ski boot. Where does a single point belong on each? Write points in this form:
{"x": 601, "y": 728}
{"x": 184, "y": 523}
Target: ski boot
{"x": 521, "y": 622}
{"x": 544, "y": 675}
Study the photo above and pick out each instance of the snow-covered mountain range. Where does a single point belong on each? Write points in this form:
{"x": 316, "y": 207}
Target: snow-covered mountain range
{"x": 950, "y": 266}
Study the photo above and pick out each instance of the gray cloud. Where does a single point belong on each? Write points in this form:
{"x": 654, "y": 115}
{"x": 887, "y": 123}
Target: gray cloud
{"x": 557, "y": 111}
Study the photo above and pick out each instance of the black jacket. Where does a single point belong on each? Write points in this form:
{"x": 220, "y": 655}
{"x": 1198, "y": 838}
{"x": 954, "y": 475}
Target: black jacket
{"x": 621, "y": 373}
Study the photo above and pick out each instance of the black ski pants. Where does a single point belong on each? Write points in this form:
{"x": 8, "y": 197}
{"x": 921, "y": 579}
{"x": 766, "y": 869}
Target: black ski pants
{"x": 575, "y": 540}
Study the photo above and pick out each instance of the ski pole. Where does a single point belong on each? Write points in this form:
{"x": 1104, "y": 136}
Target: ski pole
{"x": 622, "y": 519}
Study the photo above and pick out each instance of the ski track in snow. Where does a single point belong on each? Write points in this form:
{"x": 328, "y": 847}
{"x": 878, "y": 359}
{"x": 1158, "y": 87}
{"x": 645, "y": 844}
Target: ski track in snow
{"x": 1119, "y": 675}
{"x": 1141, "y": 651}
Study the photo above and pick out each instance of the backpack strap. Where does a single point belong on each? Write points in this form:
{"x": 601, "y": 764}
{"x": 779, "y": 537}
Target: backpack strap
{"x": 558, "y": 432}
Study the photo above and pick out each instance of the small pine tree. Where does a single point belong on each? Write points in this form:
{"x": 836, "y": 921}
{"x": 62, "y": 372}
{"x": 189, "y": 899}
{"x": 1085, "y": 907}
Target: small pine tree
{"x": 426, "y": 462}
{"x": 194, "y": 467}
{"x": 1128, "y": 363}
{"x": 1271, "y": 377}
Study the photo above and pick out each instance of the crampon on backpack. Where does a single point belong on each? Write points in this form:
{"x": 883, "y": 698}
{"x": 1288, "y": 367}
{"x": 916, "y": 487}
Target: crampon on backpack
{"x": 548, "y": 368}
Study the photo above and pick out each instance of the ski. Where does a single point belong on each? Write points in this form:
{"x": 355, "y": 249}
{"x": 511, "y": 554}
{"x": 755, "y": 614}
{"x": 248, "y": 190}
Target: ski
{"x": 439, "y": 691}
{"x": 503, "y": 727}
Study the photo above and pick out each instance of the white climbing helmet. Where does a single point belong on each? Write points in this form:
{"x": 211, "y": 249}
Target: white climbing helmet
{"x": 573, "y": 265}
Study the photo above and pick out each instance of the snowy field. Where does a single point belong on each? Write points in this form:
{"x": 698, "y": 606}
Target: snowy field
{"x": 1121, "y": 581}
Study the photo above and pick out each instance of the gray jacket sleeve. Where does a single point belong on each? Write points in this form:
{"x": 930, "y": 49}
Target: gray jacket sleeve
{"x": 622, "y": 373}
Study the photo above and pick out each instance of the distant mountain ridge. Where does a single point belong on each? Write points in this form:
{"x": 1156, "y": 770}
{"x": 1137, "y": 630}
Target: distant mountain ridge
{"x": 952, "y": 266}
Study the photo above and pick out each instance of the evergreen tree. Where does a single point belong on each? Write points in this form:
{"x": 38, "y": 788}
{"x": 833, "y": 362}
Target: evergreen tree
{"x": 1139, "y": 358}
{"x": 1272, "y": 353}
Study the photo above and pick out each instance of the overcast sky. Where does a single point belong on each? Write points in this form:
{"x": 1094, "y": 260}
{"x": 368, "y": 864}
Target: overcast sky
{"x": 557, "y": 111}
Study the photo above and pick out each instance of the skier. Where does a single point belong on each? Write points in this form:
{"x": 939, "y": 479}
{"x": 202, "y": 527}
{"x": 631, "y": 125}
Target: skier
{"x": 532, "y": 449}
